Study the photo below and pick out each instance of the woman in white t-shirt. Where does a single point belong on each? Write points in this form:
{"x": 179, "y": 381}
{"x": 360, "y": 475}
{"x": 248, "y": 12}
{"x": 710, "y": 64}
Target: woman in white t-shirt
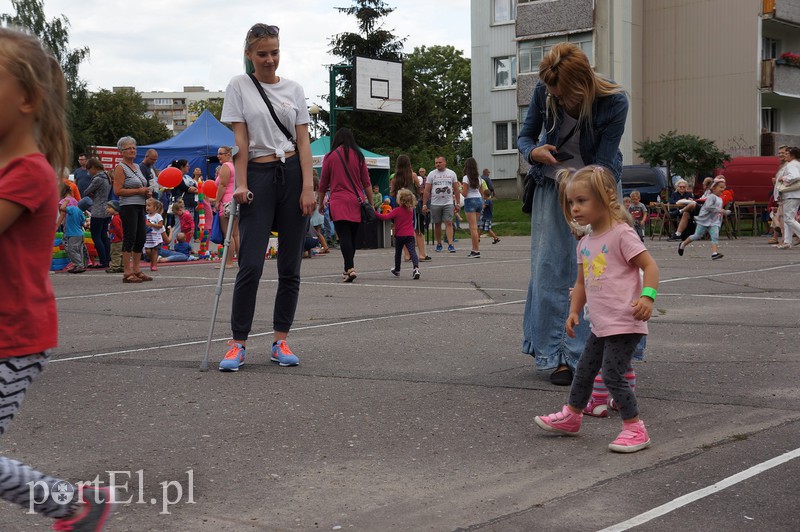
{"x": 471, "y": 190}
{"x": 274, "y": 189}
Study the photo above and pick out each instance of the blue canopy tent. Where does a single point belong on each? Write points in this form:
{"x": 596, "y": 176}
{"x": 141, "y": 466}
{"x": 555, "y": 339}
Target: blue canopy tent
{"x": 198, "y": 144}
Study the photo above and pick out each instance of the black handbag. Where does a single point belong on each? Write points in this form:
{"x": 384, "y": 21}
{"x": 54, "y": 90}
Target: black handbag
{"x": 529, "y": 185}
{"x": 367, "y": 211}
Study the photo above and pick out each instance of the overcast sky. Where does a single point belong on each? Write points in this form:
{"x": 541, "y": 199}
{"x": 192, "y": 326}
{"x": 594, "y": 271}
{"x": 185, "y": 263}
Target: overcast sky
{"x": 167, "y": 44}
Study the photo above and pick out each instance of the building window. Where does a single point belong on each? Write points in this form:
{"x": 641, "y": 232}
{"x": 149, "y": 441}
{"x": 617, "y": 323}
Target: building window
{"x": 162, "y": 101}
{"x": 770, "y": 119}
{"x": 505, "y": 71}
{"x": 531, "y": 52}
{"x": 770, "y": 48}
{"x": 505, "y": 10}
{"x": 505, "y": 134}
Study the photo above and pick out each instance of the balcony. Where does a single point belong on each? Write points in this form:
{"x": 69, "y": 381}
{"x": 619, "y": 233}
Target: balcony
{"x": 540, "y": 18}
{"x": 780, "y": 79}
{"x": 787, "y": 11}
{"x": 771, "y": 141}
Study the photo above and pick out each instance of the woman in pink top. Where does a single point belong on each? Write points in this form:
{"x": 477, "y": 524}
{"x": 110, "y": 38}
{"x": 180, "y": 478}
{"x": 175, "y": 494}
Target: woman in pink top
{"x": 226, "y": 184}
{"x": 344, "y": 173}
{"x": 403, "y": 216}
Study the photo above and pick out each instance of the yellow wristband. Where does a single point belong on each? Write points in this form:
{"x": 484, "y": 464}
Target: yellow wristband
{"x": 649, "y": 292}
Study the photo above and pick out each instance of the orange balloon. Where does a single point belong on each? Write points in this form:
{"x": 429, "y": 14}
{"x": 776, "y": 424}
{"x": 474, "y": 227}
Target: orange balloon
{"x": 170, "y": 177}
{"x": 210, "y": 189}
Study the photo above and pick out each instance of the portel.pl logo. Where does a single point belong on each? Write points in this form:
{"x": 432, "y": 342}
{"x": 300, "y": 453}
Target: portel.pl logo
{"x": 63, "y": 492}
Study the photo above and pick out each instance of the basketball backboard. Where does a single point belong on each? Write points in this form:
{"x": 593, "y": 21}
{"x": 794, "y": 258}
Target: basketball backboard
{"x": 378, "y": 85}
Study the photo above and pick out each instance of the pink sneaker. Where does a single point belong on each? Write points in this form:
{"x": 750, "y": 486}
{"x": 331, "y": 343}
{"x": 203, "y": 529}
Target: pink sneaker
{"x": 596, "y": 408}
{"x": 632, "y": 438}
{"x": 564, "y": 422}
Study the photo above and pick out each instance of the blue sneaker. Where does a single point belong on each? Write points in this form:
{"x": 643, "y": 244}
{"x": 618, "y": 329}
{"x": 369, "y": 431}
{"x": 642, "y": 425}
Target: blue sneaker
{"x": 234, "y": 358}
{"x": 438, "y": 248}
{"x": 282, "y": 355}
{"x": 451, "y": 248}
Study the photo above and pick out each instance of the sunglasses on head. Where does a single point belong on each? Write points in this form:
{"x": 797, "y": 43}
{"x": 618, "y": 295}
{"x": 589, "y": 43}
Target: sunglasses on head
{"x": 262, "y": 30}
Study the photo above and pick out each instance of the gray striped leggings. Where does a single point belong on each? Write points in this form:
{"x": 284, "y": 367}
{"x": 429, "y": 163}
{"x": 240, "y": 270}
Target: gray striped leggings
{"x": 18, "y": 482}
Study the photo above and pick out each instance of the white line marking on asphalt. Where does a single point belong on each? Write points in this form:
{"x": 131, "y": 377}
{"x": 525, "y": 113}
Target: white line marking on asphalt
{"x": 294, "y": 329}
{"x": 725, "y": 274}
{"x": 701, "y": 493}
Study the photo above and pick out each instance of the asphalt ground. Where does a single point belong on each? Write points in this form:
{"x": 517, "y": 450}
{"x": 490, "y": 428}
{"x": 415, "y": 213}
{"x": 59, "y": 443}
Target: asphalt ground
{"x": 413, "y": 406}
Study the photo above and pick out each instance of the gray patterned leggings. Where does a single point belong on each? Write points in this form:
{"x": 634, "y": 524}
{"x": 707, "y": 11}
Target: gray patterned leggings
{"x": 613, "y": 354}
{"x": 17, "y": 480}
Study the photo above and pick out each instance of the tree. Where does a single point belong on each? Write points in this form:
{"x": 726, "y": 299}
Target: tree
{"x": 684, "y": 155}
{"x": 112, "y": 115}
{"x": 436, "y": 92}
{"x": 442, "y": 74}
{"x": 213, "y": 105}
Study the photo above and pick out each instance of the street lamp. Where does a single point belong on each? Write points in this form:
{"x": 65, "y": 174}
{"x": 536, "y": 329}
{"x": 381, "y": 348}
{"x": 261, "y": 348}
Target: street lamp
{"x": 314, "y": 112}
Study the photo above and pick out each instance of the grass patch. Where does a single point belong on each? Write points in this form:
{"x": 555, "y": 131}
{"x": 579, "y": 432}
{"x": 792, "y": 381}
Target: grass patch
{"x": 507, "y": 220}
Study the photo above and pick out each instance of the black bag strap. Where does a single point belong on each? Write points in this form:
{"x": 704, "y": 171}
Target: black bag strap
{"x": 280, "y": 125}
{"x": 565, "y": 139}
{"x": 346, "y": 171}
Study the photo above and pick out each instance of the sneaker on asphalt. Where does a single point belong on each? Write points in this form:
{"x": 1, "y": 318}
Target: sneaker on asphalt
{"x": 234, "y": 358}
{"x": 93, "y": 510}
{"x": 716, "y": 256}
{"x": 596, "y": 409}
{"x": 474, "y": 255}
{"x": 415, "y": 273}
{"x": 451, "y": 248}
{"x": 282, "y": 355}
{"x": 632, "y": 438}
{"x": 426, "y": 258}
{"x": 438, "y": 248}
{"x": 673, "y": 237}
{"x": 396, "y": 273}
{"x": 565, "y": 422}
{"x": 681, "y": 249}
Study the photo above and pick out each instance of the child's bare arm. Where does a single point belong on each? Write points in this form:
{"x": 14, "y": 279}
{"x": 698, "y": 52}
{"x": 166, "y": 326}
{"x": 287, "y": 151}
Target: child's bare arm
{"x": 576, "y": 303}
{"x": 643, "y": 307}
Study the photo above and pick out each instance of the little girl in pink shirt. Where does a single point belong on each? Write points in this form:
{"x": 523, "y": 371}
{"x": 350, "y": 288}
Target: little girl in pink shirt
{"x": 403, "y": 216}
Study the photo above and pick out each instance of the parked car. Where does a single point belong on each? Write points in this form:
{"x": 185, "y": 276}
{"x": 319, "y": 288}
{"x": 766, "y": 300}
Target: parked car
{"x": 648, "y": 180}
{"x": 750, "y": 178}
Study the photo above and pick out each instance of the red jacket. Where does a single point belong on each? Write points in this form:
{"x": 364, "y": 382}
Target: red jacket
{"x": 115, "y": 229}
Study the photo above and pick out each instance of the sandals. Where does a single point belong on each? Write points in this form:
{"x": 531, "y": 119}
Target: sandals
{"x": 349, "y": 276}
{"x": 495, "y": 241}
{"x": 142, "y": 277}
{"x": 131, "y": 278}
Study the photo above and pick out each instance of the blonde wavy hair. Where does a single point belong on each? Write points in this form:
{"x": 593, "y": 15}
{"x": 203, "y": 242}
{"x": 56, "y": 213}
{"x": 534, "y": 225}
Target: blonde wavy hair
{"x": 600, "y": 181}
{"x": 41, "y": 78}
{"x": 566, "y": 67}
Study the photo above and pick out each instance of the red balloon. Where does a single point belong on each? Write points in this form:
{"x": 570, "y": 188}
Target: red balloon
{"x": 170, "y": 177}
{"x": 210, "y": 189}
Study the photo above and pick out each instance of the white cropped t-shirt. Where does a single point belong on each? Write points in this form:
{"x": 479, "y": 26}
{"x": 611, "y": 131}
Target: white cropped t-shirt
{"x": 243, "y": 103}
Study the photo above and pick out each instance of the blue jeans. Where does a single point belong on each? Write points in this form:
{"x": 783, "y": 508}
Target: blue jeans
{"x": 554, "y": 269}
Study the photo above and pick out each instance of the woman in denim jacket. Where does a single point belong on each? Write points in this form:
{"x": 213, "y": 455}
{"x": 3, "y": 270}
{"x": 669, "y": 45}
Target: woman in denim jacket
{"x": 580, "y": 117}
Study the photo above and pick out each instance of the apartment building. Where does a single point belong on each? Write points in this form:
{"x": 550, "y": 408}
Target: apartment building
{"x": 172, "y": 108}
{"x": 711, "y": 68}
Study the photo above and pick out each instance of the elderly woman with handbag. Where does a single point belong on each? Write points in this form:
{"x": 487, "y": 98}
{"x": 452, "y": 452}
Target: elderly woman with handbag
{"x": 788, "y": 186}
{"x": 344, "y": 172}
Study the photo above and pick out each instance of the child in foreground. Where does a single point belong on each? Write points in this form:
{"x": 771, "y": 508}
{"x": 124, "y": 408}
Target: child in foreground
{"x": 403, "y": 216}
{"x": 608, "y": 282}
{"x": 33, "y": 99}
{"x": 709, "y": 221}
